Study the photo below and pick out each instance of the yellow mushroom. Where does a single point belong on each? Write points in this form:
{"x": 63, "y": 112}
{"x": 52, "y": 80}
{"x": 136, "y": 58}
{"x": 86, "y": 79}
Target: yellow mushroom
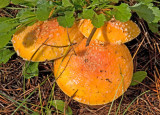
{"x": 44, "y": 40}
{"x": 112, "y": 31}
{"x": 97, "y": 74}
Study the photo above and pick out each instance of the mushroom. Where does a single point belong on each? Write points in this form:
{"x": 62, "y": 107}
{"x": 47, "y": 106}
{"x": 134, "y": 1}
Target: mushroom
{"x": 45, "y": 40}
{"x": 112, "y": 31}
{"x": 97, "y": 74}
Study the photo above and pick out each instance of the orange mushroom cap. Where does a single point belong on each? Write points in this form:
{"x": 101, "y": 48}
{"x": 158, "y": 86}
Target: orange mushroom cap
{"x": 97, "y": 74}
{"x": 46, "y": 37}
{"x": 112, "y": 31}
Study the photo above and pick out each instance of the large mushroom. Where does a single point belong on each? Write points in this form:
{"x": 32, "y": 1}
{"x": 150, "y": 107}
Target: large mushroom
{"x": 45, "y": 40}
{"x": 96, "y": 74}
{"x": 112, "y": 31}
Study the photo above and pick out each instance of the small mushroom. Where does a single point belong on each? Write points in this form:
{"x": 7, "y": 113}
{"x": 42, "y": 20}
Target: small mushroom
{"x": 45, "y": 40}
{"x": 97, "y": 74}
{"x": 112, "y": 31}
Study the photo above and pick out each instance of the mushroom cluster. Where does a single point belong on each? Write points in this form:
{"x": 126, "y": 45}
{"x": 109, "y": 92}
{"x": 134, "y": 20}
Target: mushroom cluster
{"x": 93, "y": 75}
{"x": 104, "y": 69}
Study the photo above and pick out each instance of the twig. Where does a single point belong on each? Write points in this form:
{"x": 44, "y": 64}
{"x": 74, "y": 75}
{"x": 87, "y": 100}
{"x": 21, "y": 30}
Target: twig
{"x": 90, "y": 36}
